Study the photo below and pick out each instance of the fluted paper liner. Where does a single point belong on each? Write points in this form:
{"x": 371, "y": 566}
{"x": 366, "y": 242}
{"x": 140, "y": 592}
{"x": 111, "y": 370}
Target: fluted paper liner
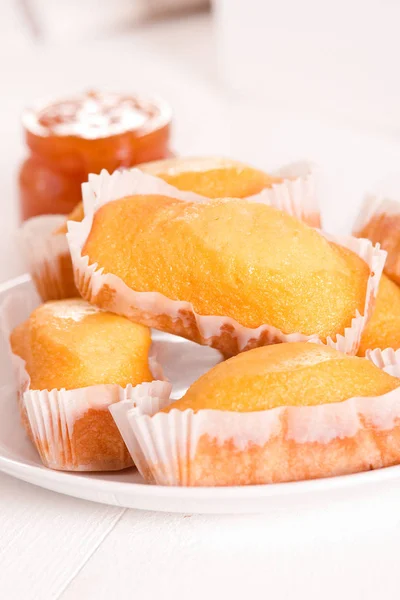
{"x": 379, "y": 221}
{"x": 216, "y": 448}
{"x": 71, "y": 429}
{"x": 297, "y": 194}
{"x": 150, "y": 398}
{"x": 47, "y": 257}
{"x": 388, "y": 360}
{"x": 179, "y": 317}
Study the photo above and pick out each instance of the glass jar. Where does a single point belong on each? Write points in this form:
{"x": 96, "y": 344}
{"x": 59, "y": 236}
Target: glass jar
{"x": 69, "y": 139}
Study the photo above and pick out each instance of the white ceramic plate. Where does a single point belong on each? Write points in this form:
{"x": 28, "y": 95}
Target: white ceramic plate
{"x": 183, "y": 362}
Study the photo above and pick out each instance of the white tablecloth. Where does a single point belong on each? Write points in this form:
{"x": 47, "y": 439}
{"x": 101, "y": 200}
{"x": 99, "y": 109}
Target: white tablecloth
{"x": 56, "y": 547}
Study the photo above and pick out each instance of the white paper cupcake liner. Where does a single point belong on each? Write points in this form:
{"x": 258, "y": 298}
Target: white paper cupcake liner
{"x": 71, "y": 429}
{"x": 214, "y": 448}
{"x": 150, "y": 398}
{"x": 388, "y": 360}
{"x": 55, "y": 417}
{"x": 178, "y": 317}
{"x": 298, "y": 194}
{"x": 47, "y": 257}
{"x": 379, "y": 221}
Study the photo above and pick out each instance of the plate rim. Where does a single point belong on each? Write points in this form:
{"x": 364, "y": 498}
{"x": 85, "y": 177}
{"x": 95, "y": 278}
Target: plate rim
{"x": 223, "y": 492}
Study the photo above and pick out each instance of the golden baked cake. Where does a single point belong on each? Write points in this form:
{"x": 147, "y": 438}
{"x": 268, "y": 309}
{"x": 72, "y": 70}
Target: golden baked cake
{"x": 78, "y": 350}
{"x": 211, "y": 177}
{"x": 68, "y": 344}
{"x": 229, "y": 258}
{"x": 297, "y": 374}
{"x": 280, "y": 413}
{"x": 383, "y": 328}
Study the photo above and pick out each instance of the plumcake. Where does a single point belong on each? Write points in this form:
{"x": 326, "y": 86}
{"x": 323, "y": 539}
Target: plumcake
{"x": 77, "y": 358}
{"x": 281, "y": 413}
{"x": 235, "y": 259}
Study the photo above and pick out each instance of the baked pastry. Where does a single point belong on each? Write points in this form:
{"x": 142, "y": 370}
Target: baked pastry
{"x": 281, "y": 272}
{"x": 48, "y": 256}
{"x": 297, "y": 374}
{"x": 69, "y": 381}
{"x": 280, "y": 413}
{"x": 383, "y": 329}
{"x": 67, "y": 344}
{"x": 244, "y": 262}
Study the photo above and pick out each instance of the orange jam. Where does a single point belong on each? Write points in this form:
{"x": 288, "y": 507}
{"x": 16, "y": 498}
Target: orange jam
{"x": 74, "y": 137}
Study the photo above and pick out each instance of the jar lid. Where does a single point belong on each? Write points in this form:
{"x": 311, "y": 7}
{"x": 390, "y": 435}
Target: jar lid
{"x": 94, "y": 115}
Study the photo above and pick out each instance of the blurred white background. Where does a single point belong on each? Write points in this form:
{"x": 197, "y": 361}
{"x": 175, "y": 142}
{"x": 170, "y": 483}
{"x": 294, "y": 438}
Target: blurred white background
{"x": 321, "y": 58}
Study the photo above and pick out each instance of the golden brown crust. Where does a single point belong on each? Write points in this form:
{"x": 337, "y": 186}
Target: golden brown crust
{"x": 66, "y": 345}
{"x": 174, "y": 246}
{"x": 294, "y": 374}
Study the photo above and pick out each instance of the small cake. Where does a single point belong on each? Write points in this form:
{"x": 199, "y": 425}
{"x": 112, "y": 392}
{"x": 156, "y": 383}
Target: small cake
{"x": 297, "y": 374}
{"x": 77, "y": 358}
{"x": 228, "y": 258}
{"x": 279, "y": 413}
{"x": 48, "y": 257}
{"x": 383, "y": 328}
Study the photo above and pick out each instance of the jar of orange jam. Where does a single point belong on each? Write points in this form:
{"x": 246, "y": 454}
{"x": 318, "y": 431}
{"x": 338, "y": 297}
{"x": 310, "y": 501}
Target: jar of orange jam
{"x": 71, "y": 138}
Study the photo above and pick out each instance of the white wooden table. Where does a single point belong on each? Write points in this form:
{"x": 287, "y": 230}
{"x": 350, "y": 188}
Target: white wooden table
{"x": 56, "y": 547}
